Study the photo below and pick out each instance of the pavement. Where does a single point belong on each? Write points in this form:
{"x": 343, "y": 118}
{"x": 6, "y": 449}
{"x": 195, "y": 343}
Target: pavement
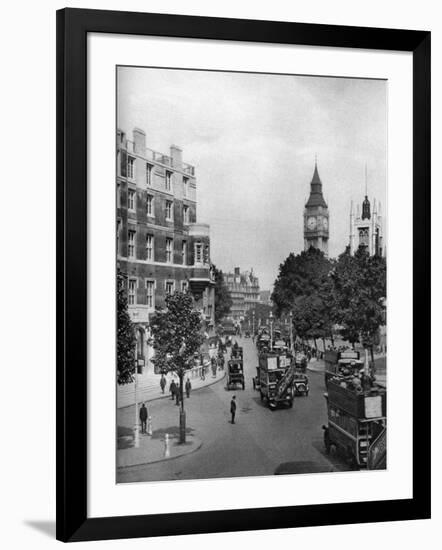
{"x": 165, "y": 420}
{"x": 148, "y": 388}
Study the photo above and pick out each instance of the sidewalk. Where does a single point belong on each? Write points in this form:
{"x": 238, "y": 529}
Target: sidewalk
{"x": 152, "y": 448}
{"x": 149, "y": 385}
{"x": 165, "y": 420}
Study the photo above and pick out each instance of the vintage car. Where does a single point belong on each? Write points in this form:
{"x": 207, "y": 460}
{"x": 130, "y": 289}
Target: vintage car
{"x": 237, "y": 352}
{"x": 301, "y": 361}
{"x": 300, "y": 384}
{"x": 235, "y": 374}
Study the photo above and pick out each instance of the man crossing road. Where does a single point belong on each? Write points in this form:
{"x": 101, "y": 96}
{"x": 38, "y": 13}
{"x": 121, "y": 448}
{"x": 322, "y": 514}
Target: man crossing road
{"x": 233, "y": 408}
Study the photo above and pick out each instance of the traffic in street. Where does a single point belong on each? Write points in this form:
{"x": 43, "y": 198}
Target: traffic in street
{"x": 262, "y": 441}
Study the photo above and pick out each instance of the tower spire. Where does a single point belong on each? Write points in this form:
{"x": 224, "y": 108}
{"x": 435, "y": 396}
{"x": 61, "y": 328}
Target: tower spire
{"x": 366, "y": 186}
{"x": 366, "y": 204}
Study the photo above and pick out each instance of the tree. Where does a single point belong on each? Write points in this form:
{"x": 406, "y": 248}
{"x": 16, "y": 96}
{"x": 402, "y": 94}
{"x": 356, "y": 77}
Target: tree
{"x": 126, "y": 338}
{"x": 360, "y": 292}
{"x": 223, "y": 299}
{"x": 300, "y": 275}
{"x": 303, "y": 286}
{"x": 177, "y": 335}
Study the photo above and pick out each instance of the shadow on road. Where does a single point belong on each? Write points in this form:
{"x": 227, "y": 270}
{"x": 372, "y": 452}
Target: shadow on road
{"x": 126, "y": 436}
{"x": 333, "y": 457}
{"x": 173, "y": 431}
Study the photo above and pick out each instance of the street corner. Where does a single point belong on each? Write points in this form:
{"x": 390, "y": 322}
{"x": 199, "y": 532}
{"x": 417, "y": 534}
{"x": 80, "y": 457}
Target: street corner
{"x": 162, "y": 445}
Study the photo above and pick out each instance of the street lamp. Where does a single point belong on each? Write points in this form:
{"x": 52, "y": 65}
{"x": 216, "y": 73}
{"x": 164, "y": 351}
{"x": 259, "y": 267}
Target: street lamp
{"x": 291, "y": 331}
{"x": 271, "y": 330}
{"x": 253, "y": 323}
{"x": 136, "y": 427}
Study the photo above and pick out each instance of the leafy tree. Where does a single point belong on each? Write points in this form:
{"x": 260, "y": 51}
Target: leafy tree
{"x": 223, "y": 300}
{"x": 303, "y": 286}
{"x": 177, "y": 335}
{"x": 360, "y": 292}
{"x": 300, "y": 275}
{"x": 126, "y": 338}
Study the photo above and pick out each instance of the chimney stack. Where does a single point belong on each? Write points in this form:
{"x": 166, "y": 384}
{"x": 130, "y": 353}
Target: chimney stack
{"x": 177, "y": 156}
{"x": 139, "y": 141}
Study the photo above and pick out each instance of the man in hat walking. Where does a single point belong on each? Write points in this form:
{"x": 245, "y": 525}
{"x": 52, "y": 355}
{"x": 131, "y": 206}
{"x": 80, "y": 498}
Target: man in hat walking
{"x": 233, "y": 408}
{"x": 143, "y": 418}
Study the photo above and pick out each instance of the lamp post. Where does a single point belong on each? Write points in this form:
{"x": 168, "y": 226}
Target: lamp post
{"x": 182, "y": 411}
{"x": 291, "y": 331}
{"x": 253, "y": 323}
{"x": 136, "y": 427}
{"x": 271, "y": 330}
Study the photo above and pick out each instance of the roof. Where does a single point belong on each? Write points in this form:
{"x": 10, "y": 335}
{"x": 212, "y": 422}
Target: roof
{"x": 316, "y": 197}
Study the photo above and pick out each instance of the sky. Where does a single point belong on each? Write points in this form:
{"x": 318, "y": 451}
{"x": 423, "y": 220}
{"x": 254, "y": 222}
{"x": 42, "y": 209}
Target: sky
{"x": 253, "y": 139}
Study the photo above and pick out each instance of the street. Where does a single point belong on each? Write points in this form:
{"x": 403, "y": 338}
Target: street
{"x": 259, "y": 441}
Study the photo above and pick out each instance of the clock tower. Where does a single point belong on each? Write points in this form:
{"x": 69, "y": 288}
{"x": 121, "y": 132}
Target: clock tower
{"x": 316, "y": 217}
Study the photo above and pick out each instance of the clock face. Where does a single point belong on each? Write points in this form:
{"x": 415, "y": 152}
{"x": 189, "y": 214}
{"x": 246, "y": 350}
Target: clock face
{"x": 311, "y": 222}
{"x": 325, "y": 223}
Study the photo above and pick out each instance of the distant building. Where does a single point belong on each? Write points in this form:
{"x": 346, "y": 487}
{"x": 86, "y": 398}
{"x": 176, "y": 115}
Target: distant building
{"x": 316, "y": 217}
{"x": 366, "y": 228}
{"x": 265, "y": 297}
{"x": 244, "y": 290}
{"x": 160, "y": 246}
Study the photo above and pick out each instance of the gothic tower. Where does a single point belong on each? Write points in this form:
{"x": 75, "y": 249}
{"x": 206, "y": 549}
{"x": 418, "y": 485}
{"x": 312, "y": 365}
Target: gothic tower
{"x": 316, "y": 217}
{"x": 366, "y": 229}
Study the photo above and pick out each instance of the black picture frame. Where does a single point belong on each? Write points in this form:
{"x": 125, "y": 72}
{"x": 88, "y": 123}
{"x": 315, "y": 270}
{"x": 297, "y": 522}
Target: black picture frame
{"x": 73, "y": 25}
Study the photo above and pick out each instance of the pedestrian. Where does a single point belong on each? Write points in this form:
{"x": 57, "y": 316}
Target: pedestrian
{"x": 172, "y": 389}
{"x": 143, "y": 418}
{"x": 178, "y": 394}
{"x": 188, "y": 387}
{"x": 162, "y": 383}
{"x": 233, "y": 409}
{"x": 149, "y": 426}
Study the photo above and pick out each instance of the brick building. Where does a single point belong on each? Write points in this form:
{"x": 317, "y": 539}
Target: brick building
{"x": 244, "y": 291}
{"x": 160, "y": 246}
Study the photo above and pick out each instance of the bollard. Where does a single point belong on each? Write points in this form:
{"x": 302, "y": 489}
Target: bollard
{"x": 166, "y": 446}
{"x": 149, "y": 426}
{"x": 136, "y": 436}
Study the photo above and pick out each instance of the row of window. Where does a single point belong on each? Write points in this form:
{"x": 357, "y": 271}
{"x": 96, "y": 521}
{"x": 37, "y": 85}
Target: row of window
{"x": 150, "y": 247}
{"x": 150, "y": 287}
{"x": 149, "y": 171}
{"x": 150, "y": 210}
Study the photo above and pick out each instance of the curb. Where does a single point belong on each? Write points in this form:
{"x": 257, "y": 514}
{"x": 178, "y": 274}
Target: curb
{"x": 167, "y": 396}
{"x": 195, "y": 448}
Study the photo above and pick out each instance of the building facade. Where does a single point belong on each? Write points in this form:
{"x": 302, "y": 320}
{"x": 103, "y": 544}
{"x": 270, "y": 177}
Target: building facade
{"x": 265, "y": 297}
{"x": 366, "y": 228}
{"x": 316, "y": 217}
{"x": 244, "y": 291}
{"x": 161, "y": 247}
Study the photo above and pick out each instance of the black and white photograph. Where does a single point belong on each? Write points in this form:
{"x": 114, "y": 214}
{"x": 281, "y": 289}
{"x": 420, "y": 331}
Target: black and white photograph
{"x": 251, "y": 257}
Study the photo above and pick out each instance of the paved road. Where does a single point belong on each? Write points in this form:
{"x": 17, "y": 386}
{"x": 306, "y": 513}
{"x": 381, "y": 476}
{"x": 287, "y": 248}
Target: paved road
{"x": 259, "y": 441}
